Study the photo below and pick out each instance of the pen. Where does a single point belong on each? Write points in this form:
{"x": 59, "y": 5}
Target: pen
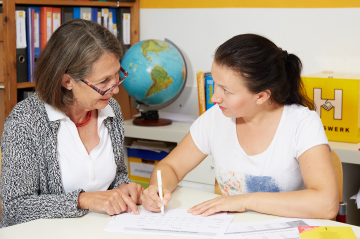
{"x": 160, "y": 190}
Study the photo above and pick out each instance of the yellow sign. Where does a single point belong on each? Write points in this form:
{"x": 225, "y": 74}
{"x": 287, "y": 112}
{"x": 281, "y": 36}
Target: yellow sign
{"x": 337, "y": 102}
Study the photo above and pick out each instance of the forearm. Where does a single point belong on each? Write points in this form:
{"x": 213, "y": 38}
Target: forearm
{"x": 30, "y": 207}
{"x": 168, "y": 176}
{"x": 308, "y": 203}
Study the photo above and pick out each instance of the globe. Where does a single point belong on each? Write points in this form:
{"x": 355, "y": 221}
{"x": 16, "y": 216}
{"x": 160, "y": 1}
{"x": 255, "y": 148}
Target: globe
{"x": 157, "y": 73}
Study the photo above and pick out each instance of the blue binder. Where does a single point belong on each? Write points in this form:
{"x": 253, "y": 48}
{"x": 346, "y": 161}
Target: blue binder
{"x": 94, "y": 13}
{"x": 76, "y": 12}
{"x": 30, "y": 43}
{"x": 37, "y": 33}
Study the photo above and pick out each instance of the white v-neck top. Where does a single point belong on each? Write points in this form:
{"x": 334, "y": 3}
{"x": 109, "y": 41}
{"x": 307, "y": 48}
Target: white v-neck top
{"x": 274, "y": 170}
{"x": 90, "y": 172}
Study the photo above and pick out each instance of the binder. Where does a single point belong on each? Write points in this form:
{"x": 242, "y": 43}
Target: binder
{"x": 123, "y": 25}
{"x": 85, "y": 13}
{"x": 110, "y": 20}
{"x": 76, "y": 11}
{"x": 21, "y": 51}
{"x": 30, "y": 12}
{"x": 45, "y": 25}
{"x": 114, "y": 21}
{"x": 104, "y": 17}
{"x": 99, "y": 15}
{"x": 66, "y": 14}
{"x": 94, "y": 14}
{"x": 37, "y": 41}
{"x": 56, "y": 20}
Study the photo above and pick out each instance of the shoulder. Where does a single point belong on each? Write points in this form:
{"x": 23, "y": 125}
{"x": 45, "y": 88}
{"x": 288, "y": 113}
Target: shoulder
{"x": 115, "y": 107}
{"x": 27, "y": 111}
{"x": 299, "y": 113}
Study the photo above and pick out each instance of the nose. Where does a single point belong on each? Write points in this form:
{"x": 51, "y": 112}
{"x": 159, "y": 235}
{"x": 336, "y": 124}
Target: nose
{"x": 115, "y": 90}
{"x": 216, "y": 97}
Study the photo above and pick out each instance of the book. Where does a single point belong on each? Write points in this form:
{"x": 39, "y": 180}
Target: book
{"x": 201, "y": 91}
{"x": 153, "y": 143}
{"x": 320, "y": 232}
{"x": 209, "y": 90}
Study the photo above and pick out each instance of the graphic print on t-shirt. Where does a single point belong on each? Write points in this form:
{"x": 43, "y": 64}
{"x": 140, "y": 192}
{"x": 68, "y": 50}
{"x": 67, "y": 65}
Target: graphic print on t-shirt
{"x": 233, "y": 183}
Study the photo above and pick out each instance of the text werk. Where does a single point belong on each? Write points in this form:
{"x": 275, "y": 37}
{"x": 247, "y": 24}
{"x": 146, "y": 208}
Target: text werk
{"x": 337, "y": 129}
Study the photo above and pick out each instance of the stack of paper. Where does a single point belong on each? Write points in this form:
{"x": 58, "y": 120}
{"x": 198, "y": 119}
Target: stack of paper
{"x": 176, "y": 222}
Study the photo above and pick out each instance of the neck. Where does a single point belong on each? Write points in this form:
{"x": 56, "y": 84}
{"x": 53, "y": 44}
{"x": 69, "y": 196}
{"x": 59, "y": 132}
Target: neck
{"x": 76, "y": 115}
{"x": 262, "y": 115}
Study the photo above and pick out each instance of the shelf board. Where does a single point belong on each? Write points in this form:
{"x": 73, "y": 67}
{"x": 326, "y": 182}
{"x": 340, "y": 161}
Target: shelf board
{"x": 25, "y": 85}
{"x": 75, "y": 3}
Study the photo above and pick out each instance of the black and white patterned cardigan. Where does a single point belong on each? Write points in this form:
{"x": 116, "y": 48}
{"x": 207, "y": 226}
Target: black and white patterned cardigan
{"x": 31, "y": 186}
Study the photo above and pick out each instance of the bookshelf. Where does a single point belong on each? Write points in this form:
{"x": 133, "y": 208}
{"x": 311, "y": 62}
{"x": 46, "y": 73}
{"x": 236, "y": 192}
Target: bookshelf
{"x": 7, "y": 36}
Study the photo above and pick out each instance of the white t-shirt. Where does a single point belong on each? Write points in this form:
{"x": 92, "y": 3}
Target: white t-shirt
{"x": 274, "y": 170}
{"x": 78, "y": 169}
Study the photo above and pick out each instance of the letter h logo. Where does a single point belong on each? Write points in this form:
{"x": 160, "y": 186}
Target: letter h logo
{"x": 328, "y": 104}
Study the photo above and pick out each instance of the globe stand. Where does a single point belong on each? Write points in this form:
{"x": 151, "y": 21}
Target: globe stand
{"x": 151, "y": 118}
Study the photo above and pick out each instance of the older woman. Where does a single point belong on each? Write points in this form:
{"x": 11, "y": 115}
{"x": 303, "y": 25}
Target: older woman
{"x": 62, "y": 147}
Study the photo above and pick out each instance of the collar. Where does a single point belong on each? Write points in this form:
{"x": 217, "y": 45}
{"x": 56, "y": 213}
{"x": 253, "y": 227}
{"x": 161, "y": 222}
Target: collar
{"x": 54, "y": 114}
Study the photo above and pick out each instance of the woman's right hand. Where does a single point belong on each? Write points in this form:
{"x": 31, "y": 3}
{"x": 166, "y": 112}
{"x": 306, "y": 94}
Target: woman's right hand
{"x": 151, "y": 200}
{"x": 111, "y": 201}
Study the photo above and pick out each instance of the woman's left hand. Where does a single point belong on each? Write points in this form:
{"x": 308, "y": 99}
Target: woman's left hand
{"x": 133, "y": 190}
{"x": 235, "y": 203}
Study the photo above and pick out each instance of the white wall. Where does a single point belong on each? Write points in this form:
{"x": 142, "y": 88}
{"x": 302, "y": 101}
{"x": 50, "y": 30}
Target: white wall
{"x": 324, "y": 39}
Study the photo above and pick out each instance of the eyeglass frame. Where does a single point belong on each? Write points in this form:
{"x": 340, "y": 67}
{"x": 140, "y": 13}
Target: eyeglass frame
{"x": 104, "y": 92}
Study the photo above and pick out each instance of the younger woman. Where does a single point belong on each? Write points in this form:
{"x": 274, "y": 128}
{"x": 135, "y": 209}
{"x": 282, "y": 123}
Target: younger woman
{"x": 270, "y": 151}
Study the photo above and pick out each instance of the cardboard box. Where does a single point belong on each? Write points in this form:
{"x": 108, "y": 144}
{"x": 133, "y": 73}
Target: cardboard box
{"x": 141, "y": 169}
{"x": 337, "y": 101}
{"x": 142, "y": 162}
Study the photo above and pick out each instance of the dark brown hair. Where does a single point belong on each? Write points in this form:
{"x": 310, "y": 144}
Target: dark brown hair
{"x": 72, "y": 49}
{"x": 264, "y": 66}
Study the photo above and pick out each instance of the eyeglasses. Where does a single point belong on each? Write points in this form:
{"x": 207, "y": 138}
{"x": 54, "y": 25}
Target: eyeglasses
{"x": 101, "y": 92}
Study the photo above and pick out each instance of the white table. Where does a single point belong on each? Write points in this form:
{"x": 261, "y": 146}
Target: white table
{"x": 92, "y": 225}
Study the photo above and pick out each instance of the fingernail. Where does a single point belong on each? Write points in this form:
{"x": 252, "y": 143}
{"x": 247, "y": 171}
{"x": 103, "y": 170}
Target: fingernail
{"x": 165, "y": 201}
{"x": 159, "y": 204}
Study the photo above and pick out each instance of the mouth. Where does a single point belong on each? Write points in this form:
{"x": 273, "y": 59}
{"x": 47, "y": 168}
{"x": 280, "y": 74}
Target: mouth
{"x": 222, "y": 108}
{"x": 105, "y": 99}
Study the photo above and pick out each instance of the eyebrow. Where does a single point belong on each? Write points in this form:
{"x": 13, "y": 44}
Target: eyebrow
{"x": 106, "y": 76}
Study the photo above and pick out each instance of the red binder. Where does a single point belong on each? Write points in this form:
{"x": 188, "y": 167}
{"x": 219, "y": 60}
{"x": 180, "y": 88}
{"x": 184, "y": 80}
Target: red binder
{"x": 45, "y": 25}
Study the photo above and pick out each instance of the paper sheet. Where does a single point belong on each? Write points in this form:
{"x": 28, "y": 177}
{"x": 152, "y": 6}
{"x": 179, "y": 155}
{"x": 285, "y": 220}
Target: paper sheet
{"x": 357, "y": 198}
{"x": 175, "y": 222}
{"x": 285, "y": 228}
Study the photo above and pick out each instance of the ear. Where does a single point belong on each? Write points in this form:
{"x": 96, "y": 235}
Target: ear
{"x": 67, "y": 82}
{"x": 263, "y": 97}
